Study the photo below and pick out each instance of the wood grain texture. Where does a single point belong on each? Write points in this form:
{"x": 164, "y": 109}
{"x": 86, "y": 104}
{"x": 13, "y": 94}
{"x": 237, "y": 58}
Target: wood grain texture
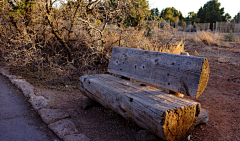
{"x": 184, "y": 74}
{"x": 167, "y": 116}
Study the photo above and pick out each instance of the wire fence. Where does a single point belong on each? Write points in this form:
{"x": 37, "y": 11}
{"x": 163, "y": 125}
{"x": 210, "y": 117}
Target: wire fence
{"x": 236, "y": 28}
{"x": 225, "y": 27}
{"x": 202, "y": 26}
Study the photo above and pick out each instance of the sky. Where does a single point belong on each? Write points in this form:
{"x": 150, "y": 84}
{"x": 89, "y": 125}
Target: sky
{"x": 230, "y": 6}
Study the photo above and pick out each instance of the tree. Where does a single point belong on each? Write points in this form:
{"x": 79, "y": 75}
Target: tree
{"x": 155, "y": 13}
{"x": 227, "y": 17}
{"x": 135, "y": 12}
{"x": 192, "y": 16}
{"x": 237, "y": 18}
{"x": 211, "y": 13}
{"x": 170, "y": 13}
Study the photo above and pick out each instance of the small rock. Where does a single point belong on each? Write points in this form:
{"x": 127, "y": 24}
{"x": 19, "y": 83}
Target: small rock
{"x": 145, "y": 135}
{"x": 185, "y": 53}
{"x": 39, "y": 102}
{"x": 235, "y": 64}
{"x": 63, "y": 127}
{"x": 25, "y": 86}
{"x": 4, "y": 71}
{"x": 14, "y": 77}
{"x": 31, "y": 95}
{"x": 203, "y": 117}
{"x": 37, "y": 92}
{"x": 76, "y": 137}
{"x": 52, "y": 115}
{"x": 222, "y": 60}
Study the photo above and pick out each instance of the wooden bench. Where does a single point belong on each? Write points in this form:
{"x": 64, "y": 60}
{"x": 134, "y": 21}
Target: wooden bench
{"x": 166, "y": 115}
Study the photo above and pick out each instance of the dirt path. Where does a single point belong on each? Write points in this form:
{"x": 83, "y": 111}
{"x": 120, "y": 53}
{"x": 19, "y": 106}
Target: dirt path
{"x": 18, "y": 121}
{"x": 97, "y": 123}
{"x": 221, "y": 98}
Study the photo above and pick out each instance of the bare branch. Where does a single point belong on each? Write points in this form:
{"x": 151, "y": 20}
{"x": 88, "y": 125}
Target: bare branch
{"x": 55, "y": 32}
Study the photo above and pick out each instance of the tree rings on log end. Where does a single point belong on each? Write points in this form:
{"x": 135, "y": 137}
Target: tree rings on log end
{"x": 179, "y": 123}
{"x": 203, "y": 78}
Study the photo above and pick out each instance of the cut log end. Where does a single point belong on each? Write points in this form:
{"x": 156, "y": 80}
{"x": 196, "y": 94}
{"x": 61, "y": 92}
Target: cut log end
{"x": 179, "y": 123}
{"x": 203, "y": 78}
{"x": 176, "y": 94}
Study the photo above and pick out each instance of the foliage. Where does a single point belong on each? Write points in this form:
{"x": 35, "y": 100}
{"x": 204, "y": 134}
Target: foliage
{"x": 231, "y": 37}
{"x": 192, "y": 16}
{"x": 227, "y": 17}
{"x": 135, "y": 13}
{"x": 171, "y": 14}
{"x": 154, "y": 14}
{"x": 20, "y": 7}
{"x": 211, "y": 13}
{"x": 182, "y": 23}
{"x": 237, "y": 18}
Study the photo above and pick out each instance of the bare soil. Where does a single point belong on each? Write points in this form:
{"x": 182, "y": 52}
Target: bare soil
{"x": 221, "y": 99}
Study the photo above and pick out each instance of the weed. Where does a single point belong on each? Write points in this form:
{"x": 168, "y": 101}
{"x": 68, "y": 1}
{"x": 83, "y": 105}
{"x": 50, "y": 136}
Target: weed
{"x": 230, "y": 37}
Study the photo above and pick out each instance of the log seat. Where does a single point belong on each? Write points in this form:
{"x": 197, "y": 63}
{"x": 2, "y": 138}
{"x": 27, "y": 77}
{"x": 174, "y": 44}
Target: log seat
{"x": 166, "y": 115}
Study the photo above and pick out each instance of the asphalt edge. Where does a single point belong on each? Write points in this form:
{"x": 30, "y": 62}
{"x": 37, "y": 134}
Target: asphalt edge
{"x": 58, "y": 120}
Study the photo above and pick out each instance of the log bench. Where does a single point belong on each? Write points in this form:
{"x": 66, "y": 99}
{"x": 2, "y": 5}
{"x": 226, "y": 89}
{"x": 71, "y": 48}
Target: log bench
{"x": 167, "y": 116}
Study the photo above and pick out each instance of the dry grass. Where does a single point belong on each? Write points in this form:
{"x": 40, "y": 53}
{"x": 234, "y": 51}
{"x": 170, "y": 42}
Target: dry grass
{"x": 205, "y": 37}
{"x": 160, "y": 40}
{"x": 238, "y": 40}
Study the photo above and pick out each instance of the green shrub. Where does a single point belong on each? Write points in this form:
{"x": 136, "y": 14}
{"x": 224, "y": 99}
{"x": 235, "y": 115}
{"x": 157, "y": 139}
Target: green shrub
{"x": 231, "y": 37}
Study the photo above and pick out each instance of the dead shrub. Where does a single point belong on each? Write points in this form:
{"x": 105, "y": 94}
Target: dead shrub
{"x": 56, "y": 46}
{"x": 209, "y": 38}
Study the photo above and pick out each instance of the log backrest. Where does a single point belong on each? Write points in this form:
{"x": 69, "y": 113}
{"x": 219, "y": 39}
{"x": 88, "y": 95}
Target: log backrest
{"x": 179, "y": 73}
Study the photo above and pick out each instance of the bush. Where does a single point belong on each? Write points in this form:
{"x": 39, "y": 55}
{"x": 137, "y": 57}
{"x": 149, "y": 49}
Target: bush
{"x": 230, "y": 37}
{"x": 49, "y": 44}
